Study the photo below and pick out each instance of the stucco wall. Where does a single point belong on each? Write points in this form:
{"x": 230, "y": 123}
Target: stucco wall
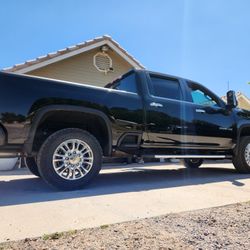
{"x": 243, "y": 103}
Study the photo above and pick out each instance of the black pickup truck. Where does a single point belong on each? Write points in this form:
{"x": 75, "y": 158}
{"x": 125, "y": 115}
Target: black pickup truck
{"x": 65, "y": 129}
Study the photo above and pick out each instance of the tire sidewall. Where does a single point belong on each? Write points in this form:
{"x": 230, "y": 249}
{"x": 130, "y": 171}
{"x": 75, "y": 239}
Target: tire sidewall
{"x": 245, "y": 144}
{"x": 239, "y": 160}
{"x": 45, "y": 159}
{"x": 31, "y": 164}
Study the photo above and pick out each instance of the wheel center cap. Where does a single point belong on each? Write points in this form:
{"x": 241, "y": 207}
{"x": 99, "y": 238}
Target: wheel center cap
{"x": 74, "y": 160}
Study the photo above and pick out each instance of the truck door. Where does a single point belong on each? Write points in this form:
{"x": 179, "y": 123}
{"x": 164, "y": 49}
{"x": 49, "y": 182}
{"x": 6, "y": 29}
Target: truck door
{"x": 165, "y": 115}
{"x": 213, "y": 123}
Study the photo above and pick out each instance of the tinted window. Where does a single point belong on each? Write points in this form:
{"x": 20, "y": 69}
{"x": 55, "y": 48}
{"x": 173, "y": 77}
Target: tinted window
{"x": 128, "y": 83}
{"x": 201, "y": 97}
{"x": 167, "y": 88}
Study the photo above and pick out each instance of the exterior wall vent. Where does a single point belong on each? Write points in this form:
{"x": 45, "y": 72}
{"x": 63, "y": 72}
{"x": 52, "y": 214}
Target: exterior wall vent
{"x": 103, "y": 62}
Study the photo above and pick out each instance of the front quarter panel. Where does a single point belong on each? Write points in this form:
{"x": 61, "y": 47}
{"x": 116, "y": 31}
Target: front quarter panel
{"x": 243, "y": 118}
{"x": 243, "y": 123}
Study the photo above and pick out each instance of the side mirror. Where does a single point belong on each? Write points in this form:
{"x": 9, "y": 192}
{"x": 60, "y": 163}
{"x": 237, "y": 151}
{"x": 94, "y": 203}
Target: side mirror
{"x": 231, "y": 99}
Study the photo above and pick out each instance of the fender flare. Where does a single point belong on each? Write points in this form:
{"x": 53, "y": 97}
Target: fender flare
{"x": 43, "y": 112}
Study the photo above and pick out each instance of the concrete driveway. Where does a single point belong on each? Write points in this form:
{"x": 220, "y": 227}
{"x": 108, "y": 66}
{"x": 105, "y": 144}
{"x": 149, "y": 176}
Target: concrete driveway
{"x": 29, "y": 208}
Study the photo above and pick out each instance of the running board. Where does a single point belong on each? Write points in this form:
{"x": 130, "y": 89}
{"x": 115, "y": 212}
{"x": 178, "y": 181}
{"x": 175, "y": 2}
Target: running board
{"x": 190, "y": 156}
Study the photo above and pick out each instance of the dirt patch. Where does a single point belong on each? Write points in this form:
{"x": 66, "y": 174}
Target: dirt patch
{"x": 225, "y": 227}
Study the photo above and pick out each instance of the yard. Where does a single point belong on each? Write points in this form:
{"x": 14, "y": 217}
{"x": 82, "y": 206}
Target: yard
{"x": 226, "y": 227}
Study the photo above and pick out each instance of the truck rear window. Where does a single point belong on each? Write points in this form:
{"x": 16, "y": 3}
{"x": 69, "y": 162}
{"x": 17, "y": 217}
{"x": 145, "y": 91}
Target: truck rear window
{"x": 127, "y": 83}
{"x": 165, "y": 87}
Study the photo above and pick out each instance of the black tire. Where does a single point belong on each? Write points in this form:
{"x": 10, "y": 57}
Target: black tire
{"x": 193, "y": 163}
{"x": 30, "y": 163}
{"x": 45, "y": 158}
{"x": 239, "y": 160}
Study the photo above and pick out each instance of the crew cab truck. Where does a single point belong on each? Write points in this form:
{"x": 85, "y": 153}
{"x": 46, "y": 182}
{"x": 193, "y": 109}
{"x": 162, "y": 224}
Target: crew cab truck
{"x": 65, "y": 129}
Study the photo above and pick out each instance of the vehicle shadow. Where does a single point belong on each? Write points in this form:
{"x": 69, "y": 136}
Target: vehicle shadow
{"x": 30, "y": 190}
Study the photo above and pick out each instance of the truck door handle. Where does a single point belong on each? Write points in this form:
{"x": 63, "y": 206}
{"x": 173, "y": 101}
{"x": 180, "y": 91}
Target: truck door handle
{"x": 200, "y": 111}
{"x": 156, "y": 104}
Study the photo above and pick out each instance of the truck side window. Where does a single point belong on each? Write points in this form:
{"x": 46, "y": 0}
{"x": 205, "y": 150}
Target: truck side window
{"x": 201, "y": 97}
{"x": 165, "y": 87}
{"x": 128, "y": 83}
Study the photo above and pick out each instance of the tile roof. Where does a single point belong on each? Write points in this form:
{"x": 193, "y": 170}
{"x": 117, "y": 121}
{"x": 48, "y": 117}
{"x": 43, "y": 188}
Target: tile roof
{"x": 66, "y": 50}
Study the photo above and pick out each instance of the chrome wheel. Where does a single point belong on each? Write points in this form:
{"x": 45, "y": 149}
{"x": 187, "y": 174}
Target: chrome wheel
{"x": 73, "y": 159}
{"x": 247, "y": 154}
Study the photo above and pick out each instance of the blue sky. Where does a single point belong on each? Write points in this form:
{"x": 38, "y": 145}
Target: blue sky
{"x": 204, "y": 40}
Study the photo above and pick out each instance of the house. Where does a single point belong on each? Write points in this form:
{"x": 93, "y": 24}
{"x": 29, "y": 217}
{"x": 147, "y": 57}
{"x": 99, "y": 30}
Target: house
{"x": 243, "y": 100}
{"x": 96, "y": 62}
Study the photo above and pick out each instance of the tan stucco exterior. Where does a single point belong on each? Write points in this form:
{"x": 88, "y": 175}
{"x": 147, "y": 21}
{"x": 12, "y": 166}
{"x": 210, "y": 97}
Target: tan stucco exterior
{"x": 80, "y": 68}
{"x": 243, "y": 103}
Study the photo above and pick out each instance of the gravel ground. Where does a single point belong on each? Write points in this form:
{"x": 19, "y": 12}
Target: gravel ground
{"x": 225, "y": 227}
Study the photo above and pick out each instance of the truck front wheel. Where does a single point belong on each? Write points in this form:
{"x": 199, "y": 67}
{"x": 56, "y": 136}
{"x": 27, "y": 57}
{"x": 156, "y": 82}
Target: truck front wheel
{"x": 241, "y": 160}
{"x": 69, "y": 159}
{"x": 193, "y": 163}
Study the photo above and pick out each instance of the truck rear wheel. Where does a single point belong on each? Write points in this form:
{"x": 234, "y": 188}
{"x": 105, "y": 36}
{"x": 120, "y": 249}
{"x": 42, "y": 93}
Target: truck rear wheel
{"x": 241, "y": 161}
{"x": 30, "y": 163}
{"x": 192, "y": 163}
{"x": 69, "y": 159}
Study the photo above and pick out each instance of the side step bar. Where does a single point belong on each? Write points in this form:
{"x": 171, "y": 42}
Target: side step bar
{"x": 190, "y": 156}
